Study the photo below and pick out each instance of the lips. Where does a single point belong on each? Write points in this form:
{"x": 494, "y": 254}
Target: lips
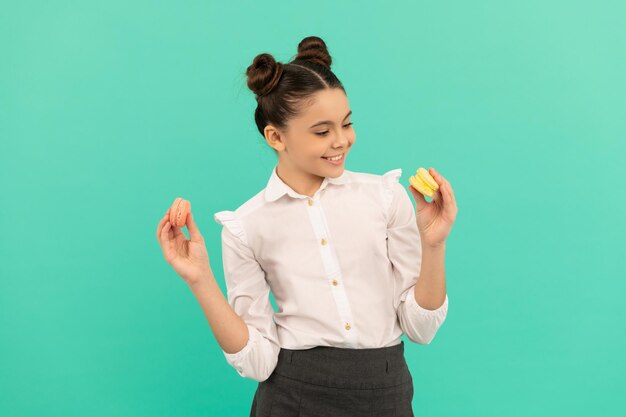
{"x": 337, "y": 162}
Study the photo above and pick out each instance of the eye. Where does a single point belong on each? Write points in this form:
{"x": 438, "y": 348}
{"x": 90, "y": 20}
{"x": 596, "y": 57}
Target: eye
{"x": 326, "y": 132}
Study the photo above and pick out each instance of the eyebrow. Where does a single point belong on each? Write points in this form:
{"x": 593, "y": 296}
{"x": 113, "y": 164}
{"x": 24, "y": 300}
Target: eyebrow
{"x": 328, "y": 122}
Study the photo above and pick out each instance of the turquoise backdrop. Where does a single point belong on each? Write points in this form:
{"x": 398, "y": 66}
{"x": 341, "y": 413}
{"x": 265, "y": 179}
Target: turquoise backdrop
{"x": 111, "y": 109}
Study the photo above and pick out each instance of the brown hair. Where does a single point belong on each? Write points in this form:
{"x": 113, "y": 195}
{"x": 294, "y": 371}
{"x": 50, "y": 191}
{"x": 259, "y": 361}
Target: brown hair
{"x": 282, "y": 90}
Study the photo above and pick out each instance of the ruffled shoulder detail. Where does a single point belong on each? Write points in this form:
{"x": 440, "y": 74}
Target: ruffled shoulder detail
{"x": 388, "y": 179}
{"x": 230, "y": 220}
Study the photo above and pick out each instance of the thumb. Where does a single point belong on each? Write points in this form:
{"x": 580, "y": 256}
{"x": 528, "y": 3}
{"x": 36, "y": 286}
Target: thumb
{"x": 420, "y": 200}
{"x": 194, "y": 232}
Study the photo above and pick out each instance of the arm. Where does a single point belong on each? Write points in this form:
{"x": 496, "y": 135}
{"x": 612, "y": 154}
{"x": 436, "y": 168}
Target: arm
{"x": 229, "y": 329}
{"x": 249, "y": 337}
{"x": 430, "y": 289}
{"x": 421, "y": 300}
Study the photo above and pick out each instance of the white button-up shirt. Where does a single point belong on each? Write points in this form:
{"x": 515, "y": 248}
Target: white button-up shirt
{"x": 342, "y": 266}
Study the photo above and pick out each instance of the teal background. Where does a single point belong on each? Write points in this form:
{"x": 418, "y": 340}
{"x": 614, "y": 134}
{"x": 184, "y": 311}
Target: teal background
{"x": 110, "y": 110}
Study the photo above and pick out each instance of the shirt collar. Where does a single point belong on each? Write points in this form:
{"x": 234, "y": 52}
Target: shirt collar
{"x": 276, "y": 187}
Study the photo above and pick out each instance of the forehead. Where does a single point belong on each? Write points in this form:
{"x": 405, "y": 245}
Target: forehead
{"x": 328, "y": 104}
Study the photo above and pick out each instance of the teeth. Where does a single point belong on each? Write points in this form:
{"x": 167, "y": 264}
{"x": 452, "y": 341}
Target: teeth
{"x": 336, "y": 158}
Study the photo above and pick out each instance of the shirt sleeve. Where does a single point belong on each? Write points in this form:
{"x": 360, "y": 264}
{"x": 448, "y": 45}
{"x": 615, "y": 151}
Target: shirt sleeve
{"x": 404, "y": 249}
{"x": 248, "y": 295}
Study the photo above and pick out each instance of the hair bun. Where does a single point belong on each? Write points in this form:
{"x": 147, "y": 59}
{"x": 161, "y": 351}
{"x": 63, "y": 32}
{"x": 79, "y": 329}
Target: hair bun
{"x": 263, "y": 74}
{"x": 313, "y": 48}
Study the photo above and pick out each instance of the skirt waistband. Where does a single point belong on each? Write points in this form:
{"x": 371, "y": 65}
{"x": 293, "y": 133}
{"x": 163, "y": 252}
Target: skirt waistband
{"x": 345, "y": 368}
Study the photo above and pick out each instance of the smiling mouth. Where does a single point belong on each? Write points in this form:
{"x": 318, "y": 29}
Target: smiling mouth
{"x": 334, "y": 158}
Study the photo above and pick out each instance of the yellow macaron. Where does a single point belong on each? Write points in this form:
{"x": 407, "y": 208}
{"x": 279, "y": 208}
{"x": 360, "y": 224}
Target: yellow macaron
{"x": 423, "y": 182}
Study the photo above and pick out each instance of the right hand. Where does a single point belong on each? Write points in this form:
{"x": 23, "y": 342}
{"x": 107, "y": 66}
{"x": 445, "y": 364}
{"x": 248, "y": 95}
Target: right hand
{"x": 189, "y": 258}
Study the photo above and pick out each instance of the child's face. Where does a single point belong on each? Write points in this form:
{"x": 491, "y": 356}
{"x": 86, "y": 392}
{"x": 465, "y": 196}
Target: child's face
{"x": 303, "y": 144}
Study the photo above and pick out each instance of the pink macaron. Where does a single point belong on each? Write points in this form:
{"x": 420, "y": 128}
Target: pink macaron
{"x": 179, "y": 211}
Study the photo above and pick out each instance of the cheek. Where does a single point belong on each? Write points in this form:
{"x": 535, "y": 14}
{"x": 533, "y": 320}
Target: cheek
{"x": 319, "y": 149}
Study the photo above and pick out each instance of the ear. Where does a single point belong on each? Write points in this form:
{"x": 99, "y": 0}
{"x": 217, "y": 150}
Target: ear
{"x": 273, "y": 138}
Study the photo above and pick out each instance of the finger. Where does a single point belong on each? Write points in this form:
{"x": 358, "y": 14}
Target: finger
{"x": 166, "y": 236}
{"x": 161, "y": 224}
{"x": 420, "y": 201}
{"x": 435, "y": 175}
{"x": 438, "y": 196}
{"x": 446, "y": 192}
{"x": 177, "y": 231}
{"x": 194, "y": 232}
{"x": 449, "y": 192}
{"x": 450, "y": 206}
{"x": 443, "y": 183}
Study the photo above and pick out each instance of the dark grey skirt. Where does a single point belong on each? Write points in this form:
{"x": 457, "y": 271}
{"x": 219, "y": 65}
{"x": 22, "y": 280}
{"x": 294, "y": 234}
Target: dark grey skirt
{"x": 328, "y": 381}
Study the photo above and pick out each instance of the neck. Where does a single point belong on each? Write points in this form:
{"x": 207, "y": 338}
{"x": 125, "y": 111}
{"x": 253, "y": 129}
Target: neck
{"x": 300, "y": 181}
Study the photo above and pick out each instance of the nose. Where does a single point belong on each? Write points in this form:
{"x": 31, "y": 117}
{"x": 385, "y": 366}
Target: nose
{"x": 342, "y": 142}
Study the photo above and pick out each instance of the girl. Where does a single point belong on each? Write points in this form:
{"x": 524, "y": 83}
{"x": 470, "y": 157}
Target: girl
{"x": 351, "y": 265}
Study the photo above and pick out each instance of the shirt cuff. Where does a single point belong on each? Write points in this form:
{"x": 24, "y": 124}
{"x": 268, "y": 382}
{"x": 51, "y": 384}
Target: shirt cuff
{"x": 412, "y": 305}
{"x": 236, "y": 358}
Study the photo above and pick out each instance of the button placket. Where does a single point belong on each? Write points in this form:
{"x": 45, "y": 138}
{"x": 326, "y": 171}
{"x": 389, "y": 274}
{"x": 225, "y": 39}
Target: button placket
{"x": 331, "y": 266}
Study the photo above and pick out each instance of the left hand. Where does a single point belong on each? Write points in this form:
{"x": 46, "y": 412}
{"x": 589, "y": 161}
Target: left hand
{"x": 435, "y": 219}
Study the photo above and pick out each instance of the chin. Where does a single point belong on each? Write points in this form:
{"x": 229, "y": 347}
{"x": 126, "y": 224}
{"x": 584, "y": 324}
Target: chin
{"x": 335, "y": 172}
